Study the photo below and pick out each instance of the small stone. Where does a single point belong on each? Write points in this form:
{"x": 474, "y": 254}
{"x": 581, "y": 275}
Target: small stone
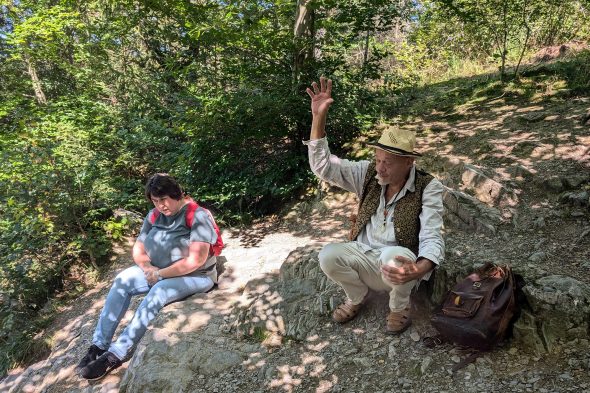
{"x": 322, "y": 309}
{"x": 576, "y": 181}
{"x": 425, "y": 364}
{"x": 362, "y": 362}
{"x": 333, "y": 303}
{"x": 565, "y": 376}
{"x": 537, "y": 256}
{"x": 539, "y": 223}
{"x": 455, "y": 358}
{"x": 554, "y": 183}
{"x": 391, "y": 351}
{"x": 540, "y": 243}
{"x": 577, "y": 198}
{"x": 415, "y": 336}
{"x": 533, "y": 116}
{"x": 350, "y": 351}
{"x": 573, "y": 363}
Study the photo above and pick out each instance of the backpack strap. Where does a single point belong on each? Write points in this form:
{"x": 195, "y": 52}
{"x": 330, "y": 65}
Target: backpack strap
{"x": 153, "y": 215}
{"x": 214, "y": 249}
{"x": 467, "y": 361}
{"x": 190, "y": 212}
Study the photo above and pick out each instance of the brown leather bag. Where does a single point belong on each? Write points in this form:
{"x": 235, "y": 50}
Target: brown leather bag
{"x": 477, "y": 312}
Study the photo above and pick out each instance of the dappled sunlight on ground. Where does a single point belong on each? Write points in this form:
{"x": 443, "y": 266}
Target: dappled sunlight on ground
{"x": 315, "y": 217}
{"x": 549, "y": 133}
{"x": 182, "y": 323}
{"x": 71, "y": 335}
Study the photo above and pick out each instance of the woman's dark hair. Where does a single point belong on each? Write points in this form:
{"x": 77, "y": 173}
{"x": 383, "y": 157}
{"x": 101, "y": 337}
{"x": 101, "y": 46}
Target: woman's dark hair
{"x": 161, "y": 185}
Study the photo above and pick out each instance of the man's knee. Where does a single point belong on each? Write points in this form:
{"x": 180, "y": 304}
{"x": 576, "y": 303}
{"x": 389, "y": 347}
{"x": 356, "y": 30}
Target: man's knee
{"x": 388, "y": 255}
{"x": 329, "y": 256}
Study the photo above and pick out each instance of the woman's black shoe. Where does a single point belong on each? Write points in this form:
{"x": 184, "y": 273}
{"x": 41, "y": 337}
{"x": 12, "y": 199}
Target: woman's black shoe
{"x": 93, "y": 353}
{"x": 101, "y": 366}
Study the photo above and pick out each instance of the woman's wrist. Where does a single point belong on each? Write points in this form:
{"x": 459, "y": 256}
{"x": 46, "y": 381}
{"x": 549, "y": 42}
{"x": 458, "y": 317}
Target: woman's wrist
{"x": 146, "y": 266}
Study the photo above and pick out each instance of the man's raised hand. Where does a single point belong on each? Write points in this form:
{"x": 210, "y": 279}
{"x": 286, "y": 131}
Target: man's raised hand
{"x": 321, "y": 97}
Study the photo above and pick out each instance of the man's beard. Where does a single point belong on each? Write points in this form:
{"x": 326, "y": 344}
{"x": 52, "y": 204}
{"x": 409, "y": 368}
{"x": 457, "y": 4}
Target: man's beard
{"x": 381, "y": 181}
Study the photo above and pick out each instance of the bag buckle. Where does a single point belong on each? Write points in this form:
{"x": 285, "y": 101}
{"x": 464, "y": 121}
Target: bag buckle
{"x": 477, "y": 284}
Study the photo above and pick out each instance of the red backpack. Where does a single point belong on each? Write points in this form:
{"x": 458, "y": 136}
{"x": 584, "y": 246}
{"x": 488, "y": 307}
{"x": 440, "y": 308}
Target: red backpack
{"x": 215, "y": 249}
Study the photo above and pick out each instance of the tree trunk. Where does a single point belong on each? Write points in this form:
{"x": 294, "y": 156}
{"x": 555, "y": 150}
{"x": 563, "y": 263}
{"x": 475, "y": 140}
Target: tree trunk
{"x": 366, "y": 54}
{"x": 526, "y": 40}
{"x": 303, "y": 51}
{"x": 504, "y": 40}
{"x": 303, "y": 32}
{"x": 41, "y": 99}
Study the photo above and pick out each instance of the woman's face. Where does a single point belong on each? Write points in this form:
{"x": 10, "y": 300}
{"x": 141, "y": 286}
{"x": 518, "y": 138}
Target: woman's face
{"x": 166, "y": 205}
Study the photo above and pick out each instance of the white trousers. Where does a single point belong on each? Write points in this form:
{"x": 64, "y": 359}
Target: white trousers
{"x": 357, "y": 270}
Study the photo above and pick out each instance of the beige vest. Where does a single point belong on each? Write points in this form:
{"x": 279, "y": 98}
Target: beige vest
{"x": 407, "y": 209}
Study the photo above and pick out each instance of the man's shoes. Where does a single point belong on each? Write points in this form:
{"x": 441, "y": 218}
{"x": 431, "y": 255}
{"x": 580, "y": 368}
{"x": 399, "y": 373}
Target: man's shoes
{"x": 346, "y": 311}
{"x": 93, "y": 353}
{"x": 103, "y": 365}
{"x": 398, "y": 321}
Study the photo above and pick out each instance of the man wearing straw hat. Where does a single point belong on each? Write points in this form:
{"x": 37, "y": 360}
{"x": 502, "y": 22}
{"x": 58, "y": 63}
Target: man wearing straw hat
{"x": 396, "y": 238}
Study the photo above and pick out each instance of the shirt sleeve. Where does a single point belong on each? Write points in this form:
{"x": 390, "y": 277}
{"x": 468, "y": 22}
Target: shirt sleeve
{"x": 432, "y": 245}
{"x": 202, "y": 229}
{"x": 349, "y": 175}
{"x": 145, "y": 229}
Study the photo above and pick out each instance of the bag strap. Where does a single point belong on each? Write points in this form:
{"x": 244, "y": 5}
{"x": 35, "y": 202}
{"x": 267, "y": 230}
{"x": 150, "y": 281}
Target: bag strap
{"x": 154, "y": 215}
{"x": 190, "y": 212}
{"x": 467, "y": 361}
{"x": 432, "y": 342}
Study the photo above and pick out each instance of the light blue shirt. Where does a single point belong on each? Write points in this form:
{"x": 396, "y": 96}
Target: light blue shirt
{"x": 167, "y": 240}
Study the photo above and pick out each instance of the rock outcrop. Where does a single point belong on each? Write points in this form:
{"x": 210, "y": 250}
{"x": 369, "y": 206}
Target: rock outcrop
{"x": 185, "y": 345}
{"x": 298, "y": 300}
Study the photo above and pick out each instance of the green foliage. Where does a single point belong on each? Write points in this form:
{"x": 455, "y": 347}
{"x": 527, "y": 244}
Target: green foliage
{"x": 496, "y": 31}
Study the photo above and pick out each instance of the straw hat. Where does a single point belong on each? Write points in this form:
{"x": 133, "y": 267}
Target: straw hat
{"x": 397, "y": 141}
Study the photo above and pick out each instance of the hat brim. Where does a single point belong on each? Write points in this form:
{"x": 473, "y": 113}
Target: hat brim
{"x": 394, "y": 150}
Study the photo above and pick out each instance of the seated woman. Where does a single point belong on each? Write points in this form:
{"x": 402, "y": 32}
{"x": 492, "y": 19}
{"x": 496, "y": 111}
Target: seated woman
{"x": 172, "y": 261}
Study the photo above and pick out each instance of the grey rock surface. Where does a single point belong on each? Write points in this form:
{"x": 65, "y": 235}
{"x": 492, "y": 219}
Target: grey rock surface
{"x": 559, "y": 305}
{"x": 467, "y": 213}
